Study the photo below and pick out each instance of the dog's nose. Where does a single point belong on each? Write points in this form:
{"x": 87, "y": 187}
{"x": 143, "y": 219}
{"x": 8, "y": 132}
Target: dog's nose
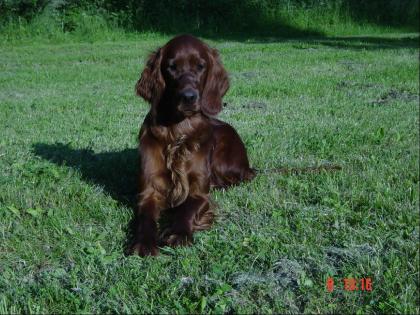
{"x": 189, "y": 96}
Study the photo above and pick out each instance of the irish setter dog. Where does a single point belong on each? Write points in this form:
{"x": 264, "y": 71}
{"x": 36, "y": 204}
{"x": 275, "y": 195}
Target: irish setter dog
{"x": 184, "y": 150}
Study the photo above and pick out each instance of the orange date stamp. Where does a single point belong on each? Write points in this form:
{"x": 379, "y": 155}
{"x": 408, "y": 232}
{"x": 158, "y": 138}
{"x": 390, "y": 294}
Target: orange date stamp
{"x": 351, "y": 284}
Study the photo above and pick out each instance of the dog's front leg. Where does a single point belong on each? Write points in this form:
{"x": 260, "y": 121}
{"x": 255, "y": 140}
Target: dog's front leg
{"x": 186, "y": 218}
{"x": 146, "y": 228}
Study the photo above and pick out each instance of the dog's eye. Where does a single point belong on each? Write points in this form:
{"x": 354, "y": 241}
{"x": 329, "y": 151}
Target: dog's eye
{"x": 172, "y": 67}
{"x": 200, "y": 67}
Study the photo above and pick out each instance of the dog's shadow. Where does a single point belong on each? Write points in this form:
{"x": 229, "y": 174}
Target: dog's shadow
{"x": 115, "y": 171}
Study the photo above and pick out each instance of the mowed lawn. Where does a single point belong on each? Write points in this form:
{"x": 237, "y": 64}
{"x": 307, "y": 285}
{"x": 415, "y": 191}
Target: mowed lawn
{"x": 69, "y": 121}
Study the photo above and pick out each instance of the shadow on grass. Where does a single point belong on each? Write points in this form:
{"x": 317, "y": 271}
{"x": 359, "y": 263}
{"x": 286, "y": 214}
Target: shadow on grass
{"x": 339, "y": 42}
{"x": 369, "y": 42}
{"x": 288, "y": 34}
{"x": 253, "y": 22}
{"x": 116, "y": 172}
{"x": 237, "y": 20}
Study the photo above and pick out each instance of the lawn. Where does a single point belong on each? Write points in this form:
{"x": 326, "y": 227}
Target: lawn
{"x": 69, "y": 120}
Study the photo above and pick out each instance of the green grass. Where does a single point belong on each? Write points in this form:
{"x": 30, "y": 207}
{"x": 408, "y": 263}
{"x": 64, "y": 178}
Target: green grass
{"x": 64, "y": 22}
{"x": 68, "y": 124}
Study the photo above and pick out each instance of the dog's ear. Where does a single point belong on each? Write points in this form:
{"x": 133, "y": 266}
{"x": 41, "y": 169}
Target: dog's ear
{"x": 151, "y": 84}
{"x": 217, "y": 83}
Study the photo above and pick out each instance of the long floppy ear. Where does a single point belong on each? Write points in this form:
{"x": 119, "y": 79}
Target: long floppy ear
{"x": 217, "y": 83}
{"x": 151, "y": 84}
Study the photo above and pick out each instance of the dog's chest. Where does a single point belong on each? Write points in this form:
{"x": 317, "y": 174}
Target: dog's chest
{"x": 178, "y": 158}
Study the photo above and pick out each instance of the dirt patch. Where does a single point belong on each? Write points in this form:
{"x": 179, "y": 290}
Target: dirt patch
{"x": 358, "y": 89}
{"x": 244, "y": 75}
{"x": 255, "y": 105}
{"x": 287, "y": 272}
{"x": 351, "y": 65}
{"x": 336, "y": 256}
{"x": 248, "y": 279}
{"x": 358, "y": 85}
{"x": 393, "y": 95}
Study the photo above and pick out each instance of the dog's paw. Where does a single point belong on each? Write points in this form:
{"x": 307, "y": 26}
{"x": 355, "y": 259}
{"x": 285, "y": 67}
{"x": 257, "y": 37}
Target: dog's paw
{"x": 178, "y": 240}
{"x": 145, "y": 250}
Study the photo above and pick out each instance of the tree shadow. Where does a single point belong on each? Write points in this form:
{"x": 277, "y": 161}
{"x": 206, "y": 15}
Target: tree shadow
{"x": 384, "y": 13}
{"x": 302, "y": 40}
{"x": 223, "y": 20}
{"x": 288, "y": 34}
{"x": 368, "y": 42}
{"x": 116, "y": 172}
{"x": 265, "y": 22}
{"x": 261, "y": 21}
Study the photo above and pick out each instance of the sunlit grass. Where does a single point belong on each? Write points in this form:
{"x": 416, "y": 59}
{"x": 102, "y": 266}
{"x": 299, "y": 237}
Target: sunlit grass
{"x": 69, "y": 120}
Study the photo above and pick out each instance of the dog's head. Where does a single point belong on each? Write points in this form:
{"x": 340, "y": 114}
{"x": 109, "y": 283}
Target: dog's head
{"x": 184, "y": 77}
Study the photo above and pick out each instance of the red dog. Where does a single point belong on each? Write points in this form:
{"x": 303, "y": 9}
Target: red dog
{"x": 183, "y": 149}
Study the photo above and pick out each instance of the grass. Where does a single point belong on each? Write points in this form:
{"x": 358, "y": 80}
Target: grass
{"x": 69, "y": 120}
{"x": 62, "y": 22}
